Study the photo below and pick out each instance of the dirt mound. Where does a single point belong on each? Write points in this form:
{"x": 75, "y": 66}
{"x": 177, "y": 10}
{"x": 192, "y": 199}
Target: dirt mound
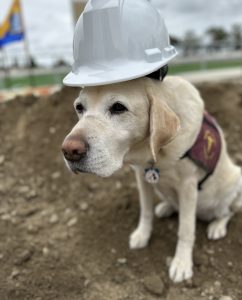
{"x": 66, "y": 237}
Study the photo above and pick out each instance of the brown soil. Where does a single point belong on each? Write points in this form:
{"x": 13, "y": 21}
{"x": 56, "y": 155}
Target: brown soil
{"x": 65, "y": 237}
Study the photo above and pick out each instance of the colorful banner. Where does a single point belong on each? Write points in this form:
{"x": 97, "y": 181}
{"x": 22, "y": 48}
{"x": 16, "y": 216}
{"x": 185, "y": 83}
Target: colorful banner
{"x": 11, "y": 30}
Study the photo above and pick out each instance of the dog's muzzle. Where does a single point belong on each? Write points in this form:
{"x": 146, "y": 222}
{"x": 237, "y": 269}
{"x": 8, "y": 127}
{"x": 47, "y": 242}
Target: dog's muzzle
{"x": 86, "y": 157}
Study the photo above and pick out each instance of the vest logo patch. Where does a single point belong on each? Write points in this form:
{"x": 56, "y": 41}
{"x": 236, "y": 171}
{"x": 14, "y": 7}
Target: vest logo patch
{"x": 210, "y": 143}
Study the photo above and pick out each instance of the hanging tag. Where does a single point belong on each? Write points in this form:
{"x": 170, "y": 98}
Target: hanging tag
{"x": 152, "y": 175}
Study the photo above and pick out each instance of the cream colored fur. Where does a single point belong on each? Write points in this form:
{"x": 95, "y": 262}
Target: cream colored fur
{"x": 161, "y": 124}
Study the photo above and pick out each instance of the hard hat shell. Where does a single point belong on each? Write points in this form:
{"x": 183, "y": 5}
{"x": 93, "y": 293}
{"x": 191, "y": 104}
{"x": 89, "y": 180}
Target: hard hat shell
{"x": 118, "y": 40}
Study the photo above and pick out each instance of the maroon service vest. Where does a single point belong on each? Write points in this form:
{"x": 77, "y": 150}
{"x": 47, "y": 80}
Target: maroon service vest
{"x": 206, "y": 150}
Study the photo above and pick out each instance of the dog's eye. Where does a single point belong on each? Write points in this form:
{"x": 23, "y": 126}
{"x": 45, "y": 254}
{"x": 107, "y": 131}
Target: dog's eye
{"x": 80, "y": 108}
{"x": 117, "y": 108}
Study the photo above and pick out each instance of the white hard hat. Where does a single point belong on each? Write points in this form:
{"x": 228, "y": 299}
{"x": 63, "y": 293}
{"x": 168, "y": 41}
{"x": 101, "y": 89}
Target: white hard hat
{"x": 118, "y": 40}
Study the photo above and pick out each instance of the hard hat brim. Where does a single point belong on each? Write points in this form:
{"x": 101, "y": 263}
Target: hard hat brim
{"x": 114, "y": 72}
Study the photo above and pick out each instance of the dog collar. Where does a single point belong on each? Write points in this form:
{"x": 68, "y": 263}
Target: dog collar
{"x": 152, "y": 175}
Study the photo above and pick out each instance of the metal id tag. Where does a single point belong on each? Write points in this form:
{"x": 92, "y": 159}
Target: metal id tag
{"x": 152, "y": 175}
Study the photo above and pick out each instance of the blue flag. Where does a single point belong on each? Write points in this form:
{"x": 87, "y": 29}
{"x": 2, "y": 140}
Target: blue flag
{"x": 11, "y": 30}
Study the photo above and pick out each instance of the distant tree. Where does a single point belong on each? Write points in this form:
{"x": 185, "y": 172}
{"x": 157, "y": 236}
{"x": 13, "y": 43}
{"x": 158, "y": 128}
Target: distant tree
{"x": 15, "y": 63}
{"x": 218, "y": 37}
{"x": 236, "y": 33}
{"x": 175, "y": 40}
{"x": 61, "y": 63}
{"x": 30, "y": 62}
{"x": 191, "y": 43}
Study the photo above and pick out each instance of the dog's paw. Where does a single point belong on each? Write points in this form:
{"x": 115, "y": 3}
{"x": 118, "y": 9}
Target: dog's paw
{"x": 217, "y": 229}
{"x": 139, "y": 239}
{"x": 180, "y": 269}
{"x": 163, "y": 210}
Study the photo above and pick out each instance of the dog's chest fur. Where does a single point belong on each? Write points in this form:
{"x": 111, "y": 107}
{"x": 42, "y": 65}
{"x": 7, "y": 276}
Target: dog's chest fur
{"x": 168, "y": 188}
{"x": 172, "y": 177}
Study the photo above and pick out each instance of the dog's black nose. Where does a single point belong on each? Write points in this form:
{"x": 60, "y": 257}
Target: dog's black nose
{"x": 74, "y": 149}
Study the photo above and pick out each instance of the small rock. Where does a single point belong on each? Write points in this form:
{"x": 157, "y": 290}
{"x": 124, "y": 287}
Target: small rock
{"x": 189, "y": 282}
{"x": 55, "y": 175}
{"x": 122, "y": 261}
{"x": 32, "y": 229}
{"x": 2, "y": 159}
{"x": 14, "y": 273}
{"x": 23, "y": 189}
{"x": 68, "y": 211}
{"x": 31, "y": 194}
{"x": 45, "y": 251}
{"x": 54, "y": 219}
{"x": 225, "y": 298}
{"x": 93, "y": 186}
{"x": 210, "y": 290}
{"x": 154, "y": 285}
{"x": 201, "y": 260}
{"x": 28, "y": 212}
{"x": 83, "y": 206}
{"x": 24, "y": 257}
{"x": 86, "y": 283}
{"x": 1, "y": 256}
{"x": 217, "y": 284}
{"x": 119, "y": 278}
{"x": 118, "y": 185}
{"x": 72, "y": 222}
{"x": 44, "y": 212}
{"x": 52, "y": 130}
{"x": 6, "y": 217}
{"x": 14, "y": 213}
{"x": 232, "y": 277}
{"x": 230, "y": 264}
{"x": 62, "y": 236}
{"x": 209, "y": 251}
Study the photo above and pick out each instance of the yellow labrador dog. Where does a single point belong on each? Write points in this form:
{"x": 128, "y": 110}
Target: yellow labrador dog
{"x": 151, "y": 125}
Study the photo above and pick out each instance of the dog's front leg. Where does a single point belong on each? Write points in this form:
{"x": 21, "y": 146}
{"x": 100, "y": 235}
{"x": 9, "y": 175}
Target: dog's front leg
{"x": 181, "y": 266}
{"x": 140, "y": 237}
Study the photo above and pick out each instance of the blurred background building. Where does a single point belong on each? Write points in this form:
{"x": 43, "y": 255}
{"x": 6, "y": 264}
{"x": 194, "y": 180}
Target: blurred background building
{"x": 36, "y": 38}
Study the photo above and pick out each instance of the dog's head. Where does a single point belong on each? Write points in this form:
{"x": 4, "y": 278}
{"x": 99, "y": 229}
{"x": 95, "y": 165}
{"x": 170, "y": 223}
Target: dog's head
{"x": 114, "y": 119}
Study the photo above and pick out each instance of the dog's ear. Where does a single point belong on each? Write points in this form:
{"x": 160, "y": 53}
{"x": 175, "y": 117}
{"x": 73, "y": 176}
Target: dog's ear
{"x": 164, "y": 123}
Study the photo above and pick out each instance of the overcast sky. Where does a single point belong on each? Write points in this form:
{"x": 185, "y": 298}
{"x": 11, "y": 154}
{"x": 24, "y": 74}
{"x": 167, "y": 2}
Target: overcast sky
{"x": 49, "y": 22}
{"x": 198, "y": 15}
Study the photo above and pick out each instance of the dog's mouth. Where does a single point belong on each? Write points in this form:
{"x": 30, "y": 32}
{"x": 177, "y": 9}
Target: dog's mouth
{"x": 101, "y": 168}
{"x": 76, "y": 168}
{"x": 79, "y": 171}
